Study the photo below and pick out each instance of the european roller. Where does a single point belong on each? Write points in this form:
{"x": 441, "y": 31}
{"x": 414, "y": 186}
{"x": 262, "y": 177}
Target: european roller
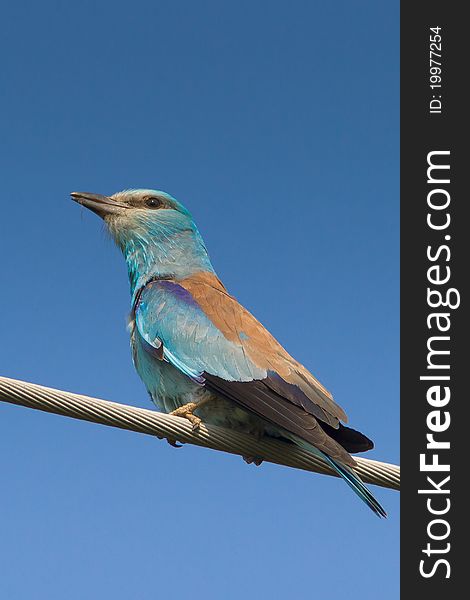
{"x": 201, "y": 354}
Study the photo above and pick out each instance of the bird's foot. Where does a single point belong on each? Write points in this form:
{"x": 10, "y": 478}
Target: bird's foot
{"x": 255, "y": 460}
{"x": 171, "y": 441}
{"x": 186, "y": 412}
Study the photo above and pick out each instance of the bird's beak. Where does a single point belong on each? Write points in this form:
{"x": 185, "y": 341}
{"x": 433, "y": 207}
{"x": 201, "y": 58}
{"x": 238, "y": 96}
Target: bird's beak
{"x": 101, "y": 205}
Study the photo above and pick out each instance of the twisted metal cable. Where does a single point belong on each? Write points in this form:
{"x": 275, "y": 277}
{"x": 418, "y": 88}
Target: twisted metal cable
{"x": 162, "y": 425}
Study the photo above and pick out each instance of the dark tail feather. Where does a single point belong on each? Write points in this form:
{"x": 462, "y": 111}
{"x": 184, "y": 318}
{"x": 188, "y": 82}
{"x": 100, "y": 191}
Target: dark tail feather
{"x": 357, "y": 485}
{"x": 352, "y": 441}
{"x": 349, "y": 476}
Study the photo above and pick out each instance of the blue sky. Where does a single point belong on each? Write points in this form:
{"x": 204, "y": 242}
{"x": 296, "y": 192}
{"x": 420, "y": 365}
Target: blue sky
{"x": 276, "y": 123}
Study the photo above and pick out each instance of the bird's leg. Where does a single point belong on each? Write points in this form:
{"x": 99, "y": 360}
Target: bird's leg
{"x": 187, "y": 412}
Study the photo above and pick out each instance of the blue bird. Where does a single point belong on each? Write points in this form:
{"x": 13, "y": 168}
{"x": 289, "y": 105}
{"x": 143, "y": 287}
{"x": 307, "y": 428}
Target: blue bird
{"x": 198, "y": 350}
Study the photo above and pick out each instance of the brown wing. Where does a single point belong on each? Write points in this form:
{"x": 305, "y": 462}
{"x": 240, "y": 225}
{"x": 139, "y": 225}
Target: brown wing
{"x": 289, "y": 396}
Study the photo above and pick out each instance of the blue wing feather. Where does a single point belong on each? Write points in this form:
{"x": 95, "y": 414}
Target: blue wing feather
{"x": 167, "y": 314}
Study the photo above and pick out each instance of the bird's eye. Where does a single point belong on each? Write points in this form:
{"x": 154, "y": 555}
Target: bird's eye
{"x": 153, "y": 202}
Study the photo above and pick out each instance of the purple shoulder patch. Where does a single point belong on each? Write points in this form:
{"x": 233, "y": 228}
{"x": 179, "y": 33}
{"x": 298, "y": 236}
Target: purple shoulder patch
{"x": 177, "y": 290}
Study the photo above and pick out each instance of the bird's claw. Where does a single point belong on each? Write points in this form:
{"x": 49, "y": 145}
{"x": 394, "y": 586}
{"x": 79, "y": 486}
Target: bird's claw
{"x": 255, "y": 460}
{"x": 171, "y": 441}
{"x": 195, "y": 421}
{"x": 186, "y": 412}
{"x": 174, "y": 443}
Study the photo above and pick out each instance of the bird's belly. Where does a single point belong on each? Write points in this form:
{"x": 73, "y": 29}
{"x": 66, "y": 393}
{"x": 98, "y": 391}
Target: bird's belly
{"x": 170, "y": 389}
{"x": 167, "y": 387}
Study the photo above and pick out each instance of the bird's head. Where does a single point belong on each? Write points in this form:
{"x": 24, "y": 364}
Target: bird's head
{"x": 155, "y": 232}
{"x": 136, "y": 212}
